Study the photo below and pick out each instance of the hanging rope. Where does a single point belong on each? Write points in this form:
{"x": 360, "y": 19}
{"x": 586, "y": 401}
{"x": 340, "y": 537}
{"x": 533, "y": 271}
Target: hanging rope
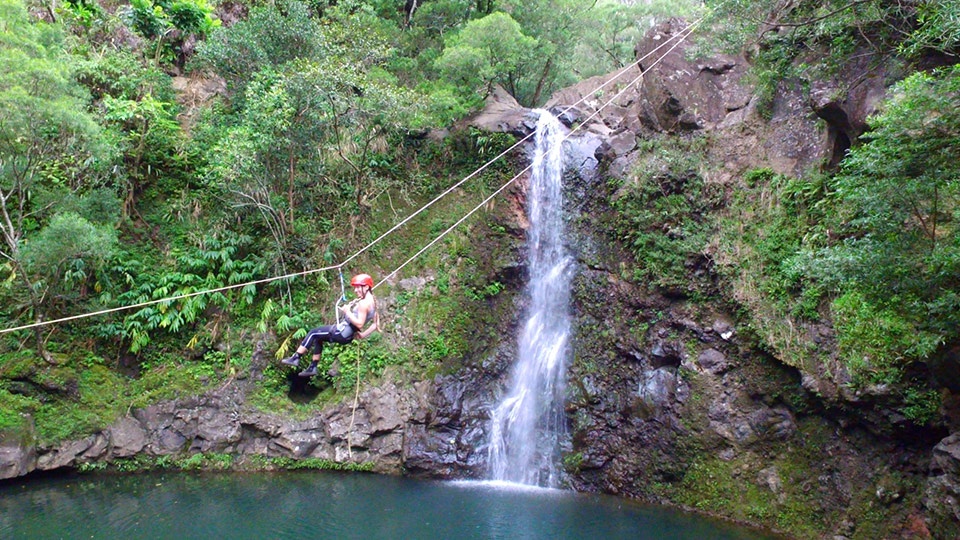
{"x": 342, "y": 299}
{"x": 679, "y": 38}
{"x": 356, "y": 401}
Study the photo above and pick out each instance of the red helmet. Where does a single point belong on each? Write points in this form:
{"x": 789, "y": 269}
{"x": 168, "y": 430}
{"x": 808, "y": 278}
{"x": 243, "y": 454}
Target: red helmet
{"x": 361, "y": 279}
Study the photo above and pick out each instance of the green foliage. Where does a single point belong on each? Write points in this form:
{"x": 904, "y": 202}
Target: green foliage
{"x": 158, "y": 19}
{"x": 13, "y": 411}
{"x": 317, "y": 129}
{"x": 206, "y": 461}
{"x": 938, "y": 29}
{"x": 661, "y": 215}
{"x": 488, "y": 51}
{"x": 572, "y": 462}
{"x": 50, "y": 147}
{"x": 763, "y": 246}
{"x": 610, "y": 30}
{"x": 557, "y": 26}
{"x": 879, "y": 239}
{"x": 876, "y": 343}
{"x": 93, "y": 406}
{"x": 121, "y": 74}
{"x": 342, "y": 365}
{"x": 99, "y": 206}
{"x": 150, "y": 134}
{"x": 318, "y": 464}
{"x": 487, "y": 291}
{"x": 272, "y": 35}
{"x": 216, "y": 262}
{"x": 67, "y": 252}
{"x": 170, "y": 379}
{"x": 895, "y": 205}
{"x": 443, "y": 16}
{"x": 42, "y": 110}
{"x": 922, "y": 407}
{"x": 83, "y": 12}
{"x": 136, "y": 102}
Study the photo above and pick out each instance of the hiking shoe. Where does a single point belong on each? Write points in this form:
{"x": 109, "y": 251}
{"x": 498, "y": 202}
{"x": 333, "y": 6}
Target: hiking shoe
{"x": 290, "y": 361}
{"x": 310, "y": 371}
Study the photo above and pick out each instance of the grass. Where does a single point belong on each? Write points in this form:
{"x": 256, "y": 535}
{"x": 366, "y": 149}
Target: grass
{"x": 212, "y": 461}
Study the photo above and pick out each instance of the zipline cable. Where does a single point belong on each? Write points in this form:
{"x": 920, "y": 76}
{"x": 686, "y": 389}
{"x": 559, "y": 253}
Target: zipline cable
{"x": 518, "y": 143}
{"x": 168, "y": 299}
{"x": 680, "y": 37}
{"x": 528, "y": 167}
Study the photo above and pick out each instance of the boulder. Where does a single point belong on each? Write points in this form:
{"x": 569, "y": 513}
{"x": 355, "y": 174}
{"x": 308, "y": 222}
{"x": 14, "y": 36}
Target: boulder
{"x": 127, "y": 437}
{"x": 18, "y": 451}
{"x": 942, "y": 494}
{"x": 501, "y": 113}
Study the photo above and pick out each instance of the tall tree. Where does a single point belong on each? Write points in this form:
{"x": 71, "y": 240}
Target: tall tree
{"x": 557, "y": 25}
{"x": 488, "y": 51}
{"x": 48, "y": 143}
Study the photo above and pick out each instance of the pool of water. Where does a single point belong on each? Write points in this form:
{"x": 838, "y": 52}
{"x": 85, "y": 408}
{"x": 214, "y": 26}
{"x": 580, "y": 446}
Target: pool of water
{"x": 329, "y": 505}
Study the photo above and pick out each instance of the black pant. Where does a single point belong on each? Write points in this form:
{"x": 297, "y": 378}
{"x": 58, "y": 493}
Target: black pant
{"x": 334, "y": 333}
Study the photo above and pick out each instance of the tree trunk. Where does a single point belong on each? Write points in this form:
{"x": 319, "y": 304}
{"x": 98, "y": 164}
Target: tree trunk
{"x": 291, "y": 173}
{"x": 11, "y": 236}
{"x": 543, "y": 80}
{"x": 36, "y": 304}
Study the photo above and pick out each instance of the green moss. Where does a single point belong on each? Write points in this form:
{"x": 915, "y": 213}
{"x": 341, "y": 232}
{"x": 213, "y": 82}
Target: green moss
{"x": 572, "y": 461}
{"x": 736, "y": 488}
{"x": 318, "y": 464}
{"x": 14, "y": 411}
{"x": 218, "y": 462}
{"x": 659, "y": 214}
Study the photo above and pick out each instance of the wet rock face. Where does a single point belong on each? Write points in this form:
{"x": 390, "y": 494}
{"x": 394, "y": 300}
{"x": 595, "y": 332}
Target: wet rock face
{"x": 638, "y": 395}
{"x": 942, "y": 494}
{"x": 680, "y": 95}
{"x": 18, "y": 453}
{"x": 449, "y": 441}
{"x": 428, "y": 428}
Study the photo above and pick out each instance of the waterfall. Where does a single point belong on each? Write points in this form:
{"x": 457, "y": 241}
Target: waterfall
{"x": 528, "y": 426}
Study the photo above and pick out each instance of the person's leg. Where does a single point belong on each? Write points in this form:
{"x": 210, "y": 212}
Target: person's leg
{"x": 312, "y": 368}
{"x": 332, "y": 334}
{"x": 315, "y": 337}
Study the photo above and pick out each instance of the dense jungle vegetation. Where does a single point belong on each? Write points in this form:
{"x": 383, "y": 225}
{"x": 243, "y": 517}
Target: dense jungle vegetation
{"x": 116, "y": 190}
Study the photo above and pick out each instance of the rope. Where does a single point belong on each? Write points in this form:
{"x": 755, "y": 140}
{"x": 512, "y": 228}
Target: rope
{"x": 167, "y": 299}
{"x": 686, "y": 32}
{"x": 343, "y": 296}
{"x": 356, "y": 401}
{"x": 680, "y": 37}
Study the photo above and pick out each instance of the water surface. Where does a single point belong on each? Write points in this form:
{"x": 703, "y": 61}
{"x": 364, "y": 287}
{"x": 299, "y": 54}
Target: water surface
{"x": 305, "y": 505}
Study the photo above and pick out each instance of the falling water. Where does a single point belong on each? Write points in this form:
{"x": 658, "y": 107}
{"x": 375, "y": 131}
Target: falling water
{"x": 528, "y": 426}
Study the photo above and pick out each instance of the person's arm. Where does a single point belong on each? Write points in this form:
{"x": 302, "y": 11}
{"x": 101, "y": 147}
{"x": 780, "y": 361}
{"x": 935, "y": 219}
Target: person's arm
{"x": 358, "y": 319}
{"x": 370, "y": 329}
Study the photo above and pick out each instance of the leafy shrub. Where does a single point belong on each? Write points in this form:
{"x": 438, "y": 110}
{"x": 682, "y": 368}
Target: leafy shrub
{"x": 661, "y": 215}
{"x": 217, "y": 262}
{"x": 876, "y": 343}
{"x": 894, "y": 205}
{"x": 158, "y": 19}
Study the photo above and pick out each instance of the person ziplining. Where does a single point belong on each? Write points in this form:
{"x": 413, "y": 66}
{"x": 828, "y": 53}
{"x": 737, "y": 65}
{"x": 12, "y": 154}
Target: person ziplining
{"x": 356, "y": 315}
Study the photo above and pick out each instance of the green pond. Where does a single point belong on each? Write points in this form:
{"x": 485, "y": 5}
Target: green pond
{"x": 301, "y": 505}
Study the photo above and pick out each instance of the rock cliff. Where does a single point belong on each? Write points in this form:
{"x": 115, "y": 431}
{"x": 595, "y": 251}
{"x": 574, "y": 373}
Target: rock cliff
{"x": 671, "y": 398}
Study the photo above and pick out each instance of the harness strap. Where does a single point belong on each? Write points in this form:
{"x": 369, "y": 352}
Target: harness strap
{"x": 343, "y": 297}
